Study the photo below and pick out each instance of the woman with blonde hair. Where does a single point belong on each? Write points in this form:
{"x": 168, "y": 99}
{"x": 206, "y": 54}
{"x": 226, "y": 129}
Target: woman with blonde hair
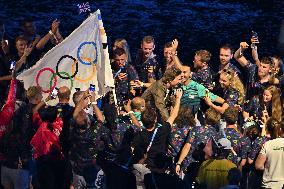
{"x": 265, "y": 106}
{"x": 122, "y": 43}
{"x": 234, "y": 92}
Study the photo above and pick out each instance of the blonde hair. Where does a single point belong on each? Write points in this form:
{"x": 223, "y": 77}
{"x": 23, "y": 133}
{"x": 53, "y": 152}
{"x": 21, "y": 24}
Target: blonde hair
{"x": 276, "y": 102}
{"x": 33, "y": 91}
{"x": 122, "y": 43}
{"x": 235, "y": 83}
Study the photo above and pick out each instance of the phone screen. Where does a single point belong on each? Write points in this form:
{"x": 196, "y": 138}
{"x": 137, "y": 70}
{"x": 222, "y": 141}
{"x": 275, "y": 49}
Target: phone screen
{"x": 92, "y": 88}
{"x": 12, "y": 65}
{"x": 54, "y": 93}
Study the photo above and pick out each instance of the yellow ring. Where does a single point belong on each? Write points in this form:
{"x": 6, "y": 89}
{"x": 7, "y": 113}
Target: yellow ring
{"x": 88, "y": 78}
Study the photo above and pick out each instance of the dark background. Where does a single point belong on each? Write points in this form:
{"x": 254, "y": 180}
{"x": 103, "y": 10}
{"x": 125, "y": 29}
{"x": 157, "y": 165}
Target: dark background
{"x": 197, "y": 24}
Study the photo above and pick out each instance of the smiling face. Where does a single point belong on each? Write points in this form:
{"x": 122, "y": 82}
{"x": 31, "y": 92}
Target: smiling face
{"x": 21, "y": 45}
{"x": 224, "y": 81}
{"x": 185, "y": 74}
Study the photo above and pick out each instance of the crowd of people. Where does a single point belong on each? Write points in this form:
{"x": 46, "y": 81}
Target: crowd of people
{"x": 168, "y": 125}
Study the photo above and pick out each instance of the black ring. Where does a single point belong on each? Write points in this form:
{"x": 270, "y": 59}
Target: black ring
{"x": 76, "y": 71}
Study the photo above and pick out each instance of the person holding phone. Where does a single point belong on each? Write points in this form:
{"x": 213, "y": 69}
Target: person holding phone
{"x": 125, "y": 76}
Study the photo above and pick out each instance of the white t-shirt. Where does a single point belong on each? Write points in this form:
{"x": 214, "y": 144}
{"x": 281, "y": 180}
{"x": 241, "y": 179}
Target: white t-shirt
{"x": 273, "y": 176}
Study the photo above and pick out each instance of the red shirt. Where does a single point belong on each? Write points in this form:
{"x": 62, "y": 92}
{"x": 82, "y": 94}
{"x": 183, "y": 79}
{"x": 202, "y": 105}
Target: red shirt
{"x": 7, "y": 112}
{"x": 45, "y": 141}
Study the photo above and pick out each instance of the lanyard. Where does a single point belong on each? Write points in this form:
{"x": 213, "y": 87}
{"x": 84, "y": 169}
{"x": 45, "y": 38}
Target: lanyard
{"x": 151, "y": 142}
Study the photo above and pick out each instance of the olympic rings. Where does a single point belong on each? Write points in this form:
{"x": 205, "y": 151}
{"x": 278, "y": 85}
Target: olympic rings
{"x": 75, "y": 61}
{"x": 64, "y": 73}
{"x": 88, "y": 78}
{"x": 51, "y": 86}
{"x": 80, "y": 58}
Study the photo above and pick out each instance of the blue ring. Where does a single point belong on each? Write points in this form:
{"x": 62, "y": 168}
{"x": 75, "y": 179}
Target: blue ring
{"x": 79, "y": 49}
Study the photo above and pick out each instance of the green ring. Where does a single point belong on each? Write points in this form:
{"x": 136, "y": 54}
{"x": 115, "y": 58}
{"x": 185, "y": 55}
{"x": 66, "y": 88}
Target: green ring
{"x": 64, "y": 73}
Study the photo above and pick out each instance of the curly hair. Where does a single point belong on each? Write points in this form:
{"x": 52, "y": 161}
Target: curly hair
{"x": 235, "y": 83}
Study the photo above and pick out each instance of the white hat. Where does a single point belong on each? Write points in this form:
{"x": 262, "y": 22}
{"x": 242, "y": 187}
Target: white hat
{"x": 225, "y": 143}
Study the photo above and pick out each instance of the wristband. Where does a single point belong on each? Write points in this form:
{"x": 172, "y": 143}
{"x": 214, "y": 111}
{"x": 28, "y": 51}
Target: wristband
{"x": 94, "y": 103}
{"x": 51, "y": 33}
{"x": 142, "y": 84}
{"x": 176, "y": 53}
{"x": 178, "y": 164}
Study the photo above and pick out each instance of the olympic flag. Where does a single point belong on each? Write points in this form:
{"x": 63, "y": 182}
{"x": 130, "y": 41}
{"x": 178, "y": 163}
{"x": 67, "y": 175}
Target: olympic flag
{"x": 78, "y": 61}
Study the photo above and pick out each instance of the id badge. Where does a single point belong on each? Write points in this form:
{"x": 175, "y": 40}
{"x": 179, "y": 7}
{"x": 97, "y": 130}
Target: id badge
{"x": 191, "y": 96}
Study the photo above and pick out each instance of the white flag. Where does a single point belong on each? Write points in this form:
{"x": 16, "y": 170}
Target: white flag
{"x": 80, "y": 60}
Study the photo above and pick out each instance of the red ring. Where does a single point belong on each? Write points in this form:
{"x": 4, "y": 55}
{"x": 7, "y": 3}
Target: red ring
{"x": 55, "y": 79}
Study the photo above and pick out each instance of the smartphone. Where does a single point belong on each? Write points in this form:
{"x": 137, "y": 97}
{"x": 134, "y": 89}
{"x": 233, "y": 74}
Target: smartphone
{"x": 54, "y": 93}
{"x": 12, "y": 65}
{"x": 92, "y": 88}
{"x": 254, "y": 34}
{"x": 7, "y": 42}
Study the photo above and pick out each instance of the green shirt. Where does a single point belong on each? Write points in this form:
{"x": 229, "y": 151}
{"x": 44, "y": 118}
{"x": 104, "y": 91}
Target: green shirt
{"x": 193, "y": 93}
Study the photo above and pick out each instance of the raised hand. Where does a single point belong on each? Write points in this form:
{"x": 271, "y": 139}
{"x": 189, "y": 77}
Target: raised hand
{"x": 28, "y": 50}
{"x": 174, "y": 46}
{"x": 244, "y": 45}
{"x": 54, "y": 26}
{"x": 5, "y": 46}
{"x": 178, "y": 93}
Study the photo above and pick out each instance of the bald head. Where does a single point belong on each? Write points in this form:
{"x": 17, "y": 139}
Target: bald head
{"x": 64, "y": 94}
{"x": 138, "y": 104}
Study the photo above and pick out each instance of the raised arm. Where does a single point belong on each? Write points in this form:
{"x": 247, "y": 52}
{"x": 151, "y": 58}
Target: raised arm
{"x": 96, "y": 109}
{"x": 174, "y": 112}
{"x": 53, "y": 33}
{"x": 176, "y": 60}
{"x": 220, "y": 109}
{"x": 23, "y": 59}
{"x": 41, "y": 104}
{"x": 83, "y": 103}
{"x": 7, "y": 111}
{"x": 239, "y": 54}
{"x": 128, "y": 109}
{"x": 254, "y": 53}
